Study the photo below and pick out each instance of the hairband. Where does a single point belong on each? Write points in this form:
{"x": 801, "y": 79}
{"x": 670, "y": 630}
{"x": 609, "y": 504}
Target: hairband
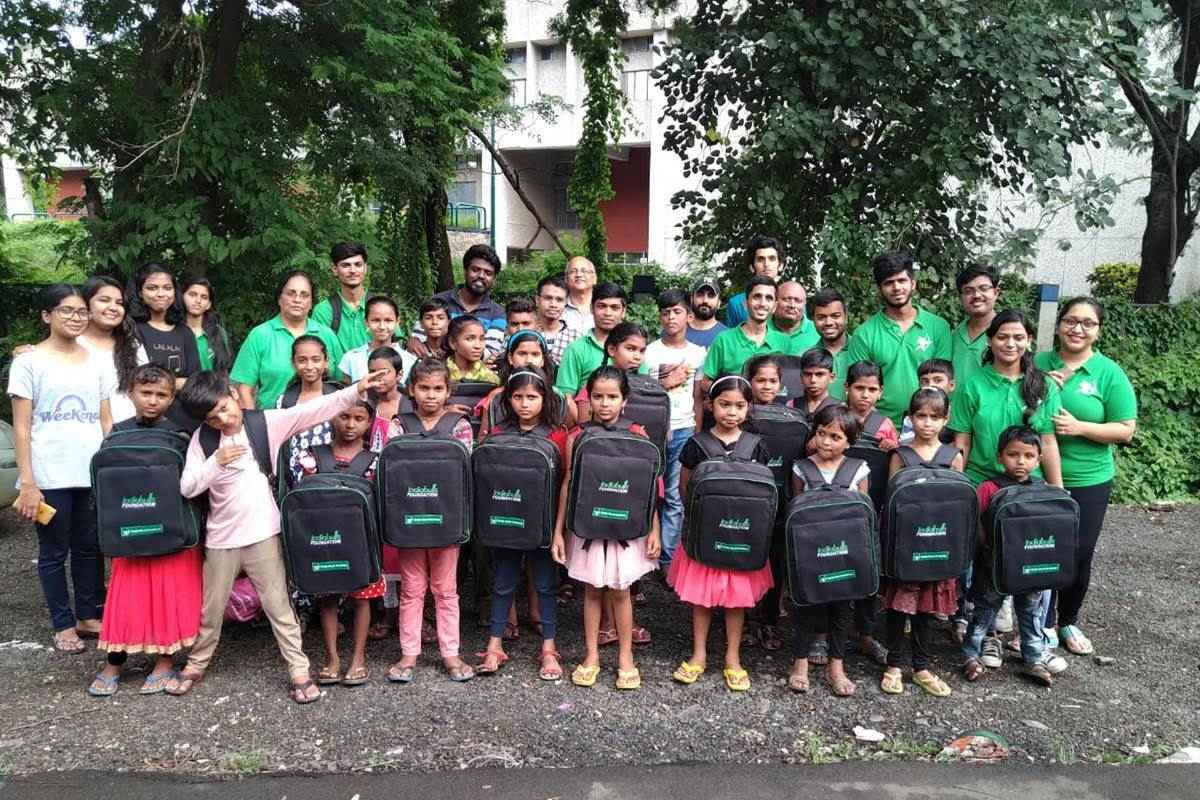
{"x": 525, "y": 372}
{"x": 718, "y": 381}
{"x": 515, "y": 338}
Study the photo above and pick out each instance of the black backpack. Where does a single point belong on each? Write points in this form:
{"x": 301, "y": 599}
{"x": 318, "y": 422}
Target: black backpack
{"x": 784, "y": 432}
{"x": 517, "y": 476}
{"x": 832, "y": 539}
{"x": 931, "y": 518}
{"x": 866, "y": 448}
{"x": 649, "y": 405}
{"x": 424, "y": 484}
{"x": 255, "y": 424}
{"x": 330, "y": 527}
{"x": 1033, "y": 536}
{"x": 468, "y": 394}
{"x": 791, "y": 380}
{"x": 139, "y": 509}
{"x": 731, "y": 508}
{"x": 292, "y": 394}
{"x": 614, "y": 482}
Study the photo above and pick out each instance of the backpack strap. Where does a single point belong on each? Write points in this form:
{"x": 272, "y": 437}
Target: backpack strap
{"x": 872, "y": 424}
{"x": 745, "y": 446}
{"x": 255, "y": 423}
{"x": 909, "y": 457}
{"x": 446, "y": 425}
{"x": 291, "y": 394}
{"x": 335, "y": 310}
{"x": 323, "y": 453}
{"x": 710, "y": 444}
{"x": 813, "y": 479}
{"x": 361, "y": 463}
{"x": 945, "y": 455}
{"x": 844, "y": 477}
{"x": 210, "y": 440}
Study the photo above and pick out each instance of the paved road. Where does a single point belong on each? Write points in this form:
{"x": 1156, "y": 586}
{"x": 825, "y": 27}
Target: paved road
{"x": 850, "y": 781}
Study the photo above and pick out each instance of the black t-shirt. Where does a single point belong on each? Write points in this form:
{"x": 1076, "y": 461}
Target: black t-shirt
{"x": 692, "y": 454}
{"x": 174, "y": 349}
{"x": 163, "y": 424}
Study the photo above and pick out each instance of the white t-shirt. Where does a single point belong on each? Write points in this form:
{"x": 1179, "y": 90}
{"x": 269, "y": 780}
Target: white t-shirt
{"x": 118, "y": 402}
{"x": 66, "y": 415}
{"x": 354, "y": 362}
{"x": 659, "y": 355}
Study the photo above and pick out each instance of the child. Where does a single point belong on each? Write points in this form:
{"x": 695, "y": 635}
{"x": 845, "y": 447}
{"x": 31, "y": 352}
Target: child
{"x": 834, "y": 429}
{"x": 385, "y": 401}
{"x": 243, "y": 520}
{"x": 606, "y": 569}
{"x": 465, "y": 350}
{"x": 382, "y": 314}
{"x": 518, "y": 316}
{"x": 153, "y": 604}
{"x": 350, "y": 431}
{"x": 527, "y": 404}
{"x": 525, "y": 348}
{"x": 310, "y": 360}
{"x": 1019, "y": 453}
{"x": 917, "y": 603}
{"x": 766, "y": 378}
{"x": 816, "y": 369}
{"x": 435, "y": 321}
{"x": 936, "y": 373}
{"x": 436, "y": 568}
{"x": 704, "y": 587}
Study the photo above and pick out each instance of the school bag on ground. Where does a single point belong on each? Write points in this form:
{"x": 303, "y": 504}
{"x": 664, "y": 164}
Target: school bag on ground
{"x": 866, "y": 448}
{"x": 732, "y": 503}
{"x": 1033, "y": 535}
{"x": 424, "y": 485}
{"x": 784, "y": 432}
{"x": 930, "y": 518}
{"x": 139, "y": 509}
{"x": 614, "y": 482}
{"x": 831, "y": 537}
{"x": 330, "y": 530}
{"x": 791, "y": 380}
{"x": 516, "y": 477}
{"x": 649, "y": 406}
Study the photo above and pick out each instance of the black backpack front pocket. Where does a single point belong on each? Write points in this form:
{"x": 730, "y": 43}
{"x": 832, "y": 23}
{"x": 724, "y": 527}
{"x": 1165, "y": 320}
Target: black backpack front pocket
{"x": 424, "y": 488}
{"x": 140, "y": 511}
{"x": 613, "y": 498}
{"x": 931, "y": 540}
{"x": 511, "y": 504}
{"x": 731, "y": 532}
{"x": 1035, "y": 553}
{"x": 832, "y": 549}
{"x": 329, "y": 540}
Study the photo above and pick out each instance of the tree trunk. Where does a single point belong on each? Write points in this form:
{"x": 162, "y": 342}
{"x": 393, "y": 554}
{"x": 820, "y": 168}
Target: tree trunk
{"x": 1168, "y": 229}
{"x": 436, "y": 238}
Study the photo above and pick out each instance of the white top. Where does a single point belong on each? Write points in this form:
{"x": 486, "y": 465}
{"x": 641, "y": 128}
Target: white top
{"x": 660, "y": 358}
{"x": 118, "y": 402}
{"x": 863, "y": 473}
{"x": 578, "y": 318}
{"x": 354, "y": 362}
{"x": 65, "y": 429}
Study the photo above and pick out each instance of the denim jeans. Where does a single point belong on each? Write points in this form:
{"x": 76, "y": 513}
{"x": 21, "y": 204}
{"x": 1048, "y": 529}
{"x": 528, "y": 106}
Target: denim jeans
{"x": 71, "y": 533}
{"x": 508, "y": 576}
{"x": 1029, "y": 609}
{"x": 672, "y": 512}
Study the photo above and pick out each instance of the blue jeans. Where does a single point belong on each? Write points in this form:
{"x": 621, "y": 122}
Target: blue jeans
{"x": 672, "y": 513}
{"x": 1029, "y": 609}
{"x": 507, "y": 564}
{"x": 72, "y": 532}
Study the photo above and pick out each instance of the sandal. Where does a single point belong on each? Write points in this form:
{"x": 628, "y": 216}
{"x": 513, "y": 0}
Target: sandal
{"x": 893, "y": 682}
{"x": 842, "y": 687}
{"x": 491, "y": 662}
{"x": 973, "y": 669}
{"x": 738, "y": 680}
{"x": 549, "y": 672}
{"x": 607, "y": 636}
{"x": 874, "y": 651}
{"x": 299, "y": 692}
{"x": 512, "y": 632}
{"x": 641, "y": 636}
{"x": 768, "y": 637}
{"x": 156, "y": 682}
{"x": 183, "y": 682}
{"x": 399, "y": 674}
{"x": 798, "y": 683}
{"x": 818, "y": 654}
{"x": 1074, "y": 641}
{"x": 688, "y": 673}
{"x": 68, "y": 641}
{"x": 932, "y": 684}
{"x": 327, "y": 676}
{"x": 629, "y": 679}
{"x": 585, "y": 676}
{"x": 86, "y": 631}
{"x": 103, "y": 685}
{"x": 356, "y": 676}
{"x": 461, "y": 673}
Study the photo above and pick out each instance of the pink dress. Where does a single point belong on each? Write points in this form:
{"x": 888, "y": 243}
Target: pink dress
{"x": 153, "y": 603}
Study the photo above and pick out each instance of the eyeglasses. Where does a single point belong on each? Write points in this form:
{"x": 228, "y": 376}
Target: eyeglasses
{"x": 1071, "y": 323}
{"x": 294, "y": 295}
{"x": 577, "y": 272}
{"x": 73, "y": 313}
{"x": 972, "y": 291}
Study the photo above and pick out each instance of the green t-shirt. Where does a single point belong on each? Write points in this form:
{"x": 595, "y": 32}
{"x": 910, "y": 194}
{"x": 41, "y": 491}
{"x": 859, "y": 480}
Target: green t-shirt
{"x": 352, "y": 331}
{"x": 899, "y": 354}
{"x": 1100, "y": 392}
{"x": 986, "y": 405}
{"x": 841, "y": 365}
{"x": 581, "y": 358}
{"x": 206, "y": 355}
{"x": 265, "y": 360}
{"x": 966, "y": 355}
{"x": 730, "y": 351}
{"x": 805, "y": 337}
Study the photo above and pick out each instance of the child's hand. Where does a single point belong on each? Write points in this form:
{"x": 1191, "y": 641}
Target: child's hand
{"x": 887, "y": 445}
{"x": 653, "y": 546}
{"x": 372, "y": 380}
{"x": 558, "y": 549}
{"x": 230, "y": 453}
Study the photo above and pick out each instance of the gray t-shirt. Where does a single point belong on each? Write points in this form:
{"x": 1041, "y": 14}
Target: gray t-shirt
{"x": 66, "y": 415}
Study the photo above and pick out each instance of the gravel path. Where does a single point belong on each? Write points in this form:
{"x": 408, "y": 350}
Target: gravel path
{"x": 1143, "y": 610}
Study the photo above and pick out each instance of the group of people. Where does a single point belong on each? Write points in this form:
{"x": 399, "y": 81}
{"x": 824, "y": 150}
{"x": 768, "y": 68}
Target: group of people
{"x": 340, "y": 377}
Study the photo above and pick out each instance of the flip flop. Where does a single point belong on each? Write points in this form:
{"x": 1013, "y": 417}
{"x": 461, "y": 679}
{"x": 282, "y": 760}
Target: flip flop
{"x": 482, "y": 668}
{"x": 1074, "y": 641}
{"x": 186, "y": 681}
{"x": 973, "y": 669}
{"x": 400, "y": 675}
{"x": 607, "y": 636}
{"x": 629, "y": 679}
{"x": 69, "y": 645}
{"x": 585, "y": 676}
{"x": 798, "y": 683}
{"x": 738, "y": 680}
{"x": 688, "y": 673}
{"x": 299, "y": 693}
{"x": 356, "y": 676}
{"x": 156, "y": 682}
{"x": 462, "y": 673}
{"x": 328, "y": 677}
{"x": 842, "y": 687}
{"x": 549, "y": 673}
{"x": 892, "y": 683}
{"x": 933, "y": 685}
{"x": 641, "y": 636}
{"x": 103, "y": 685}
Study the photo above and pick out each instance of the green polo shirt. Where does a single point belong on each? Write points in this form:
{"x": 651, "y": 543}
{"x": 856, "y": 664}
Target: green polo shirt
{"x": 206, "y": 355}
{"x": 1099, "y": 392}
{"x": 841, "y": 365}
{"x": 986, "y": 405}
{"x": 352, "y": 332}
{"x": 730, "y": 351}
{"x": 265, "y": 360}
{"x": 965, "y": 353}
{"x": 899, "y": 354}
{"x": 581, "y": 358}
{"x": 805, "y": 337}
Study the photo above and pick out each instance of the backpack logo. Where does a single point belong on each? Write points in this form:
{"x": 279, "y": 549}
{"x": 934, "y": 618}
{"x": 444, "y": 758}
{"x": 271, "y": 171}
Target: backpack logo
{"x": 331, "y": 566}
{"x": 777, "y": 461}
{"x": 422, "y": 519}
{"x": 1044, "y": 543}
{"x": 507, "y": 495}
{"x": 731, "y": 547}
{"x": 932, "y": 555}
{"x": 937, "y": 529}
{"x": 615, "y": 487}
{"x": 148, "y": 500}
{"x": 320, "y": 539}
{"x": 507, "y": 522}
{"x": 735, "y": 524}
{"x": 840, "y": 575}
{"x": 832, "y": 550}
{"x": 136, "y": 531}
{"x": 620, "y": 514}
{"x": 423, "y": 492}
{"x": 1039, "y": 569}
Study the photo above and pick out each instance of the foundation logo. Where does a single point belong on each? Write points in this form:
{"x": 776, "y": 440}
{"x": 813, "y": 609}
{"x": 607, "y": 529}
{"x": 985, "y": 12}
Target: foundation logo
{"x": 507, "y": 522}
{"x": 1045, "y": 543}
{"x": 923, "y": 343}
{"x": 777, "y": 461}
{"x": 832, "y": 550}
{"x": 615, "y": 487}
{"x": 331, "y": 566}
{"x": 507, "y": 495}
{"x": 139, "y": 501}
{"x": 938, "y": 529}
{"x": 618, "y": 514}
{"x": 324, "y": 539}
{"x": 735, "y": 524}
{"x": 731, "y": 547}
{"x": 423, "y": 492}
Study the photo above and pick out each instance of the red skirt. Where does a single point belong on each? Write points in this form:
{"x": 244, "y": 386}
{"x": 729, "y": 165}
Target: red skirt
{"x": 938, "y": 597}
{"x": 154, "y": 603}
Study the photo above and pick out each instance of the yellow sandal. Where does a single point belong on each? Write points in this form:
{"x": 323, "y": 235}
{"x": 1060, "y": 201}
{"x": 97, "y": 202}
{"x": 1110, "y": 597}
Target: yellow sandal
{"x": 585, "y": 676}
{"x": 892, "y": 683}
{"x": 932, "y": 685}
{"x": 738, "y": 680}
{"x": 628, "y": 680}
{"x": 688, "y": 673}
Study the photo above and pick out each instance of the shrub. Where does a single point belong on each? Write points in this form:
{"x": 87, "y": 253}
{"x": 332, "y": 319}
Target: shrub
{"x": 1114, "y": 280}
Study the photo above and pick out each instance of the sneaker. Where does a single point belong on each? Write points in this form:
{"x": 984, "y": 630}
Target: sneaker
{"x": 1053, "y": 662}
{"x": 1039, "y": 673}
{"x": 1004, "y": 617}
{"x": 991, "y": 654}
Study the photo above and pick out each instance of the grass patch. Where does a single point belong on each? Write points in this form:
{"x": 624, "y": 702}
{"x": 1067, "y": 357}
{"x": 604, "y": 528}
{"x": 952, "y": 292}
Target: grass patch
{"x": 901, "y": 748}
{"x": 814, "y": 749}
{"x": 1064, "y": 750}
{"x": 1157, "y": 752}
{"x": 245, "y": 764}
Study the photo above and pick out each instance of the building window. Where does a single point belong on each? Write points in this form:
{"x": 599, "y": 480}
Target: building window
{"x": 516, "y": 92}
{"x": 549, "y": 52}
{"x": 637, "y": 44}
{"x": 565, "y": 218}
{"x": 515, "y": 56}
{"x": 635, "y": 83}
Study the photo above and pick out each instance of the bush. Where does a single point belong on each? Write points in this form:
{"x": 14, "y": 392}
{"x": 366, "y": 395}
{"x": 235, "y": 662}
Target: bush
{"x": 1116, "y": 281}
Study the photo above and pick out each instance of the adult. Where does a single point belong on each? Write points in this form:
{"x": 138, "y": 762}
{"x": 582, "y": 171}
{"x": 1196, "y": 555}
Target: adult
{"x": 764, "y": 257}
{"x": 704, "y": 326}
{"x": 473, "y": 296}
{"x": 900, "y": 337}
{"x": 212, "y": 341}
{"x": 732, "y": 349}
{"x": 1099, "y": 409}
{"x": 343, "y": 311}
{"x": 264, "y": 364}
{"x": 111, "y": 337}
{"x": 581, "y": 285}
{"x": 549, "y": 305}
{"x": 60, "y": 415}
{"x": 150, "y": 300}
{"x": 1007, "y": 390}
{"x": 790, "y": 321}
{"x": 830, "y": 319}
{"x": 586, "y": 353}
{"x": 978, "y": 290}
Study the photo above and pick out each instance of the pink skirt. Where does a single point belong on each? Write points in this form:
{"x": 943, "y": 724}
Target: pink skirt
{"x": 939, "y": 597}
{"x": 153, "y": 604}
{"x": 606, "y": 564}
{"x": 710, "y": 587}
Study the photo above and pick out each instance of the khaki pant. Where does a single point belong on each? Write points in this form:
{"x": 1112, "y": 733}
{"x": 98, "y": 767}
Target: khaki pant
{"x": 263, "y": 564}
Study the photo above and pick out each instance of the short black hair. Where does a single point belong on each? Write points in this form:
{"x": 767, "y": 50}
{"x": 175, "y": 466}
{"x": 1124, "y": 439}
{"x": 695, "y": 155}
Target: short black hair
{"x": 202, "y": 392}
{"x": 672, "y": 297}
{"x": 759, "y": 362}
{"x": 433, "y": 304}
{"x": 973, "y": 271}
{"x": 930, "y": 396}
{"x": 378, "y": 299}
{"x": 817, "y": 358}
{"x": 343, "y": 250}
{"x": 863, "y": 369}
{"x": 839, "y": 414}
{"x": 295, "y": 273}
{"x": 152, "y": 373}
{"x": 760, "y": 242}
{"x": 760, "y": 280}
{"x": 893, "y": 262}
{"x": 936, "y": 366}
{"x": 518, "y": 305}
{"x": 826, "y": 297}
{"x": 484, "y": 253}
{"x": 1018, "y": 433}
{"x": 609, "y": 291}
{"x": 551, "y": 280}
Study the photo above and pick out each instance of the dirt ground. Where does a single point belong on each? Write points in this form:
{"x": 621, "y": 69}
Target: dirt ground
{"x": 1143, "y": 611}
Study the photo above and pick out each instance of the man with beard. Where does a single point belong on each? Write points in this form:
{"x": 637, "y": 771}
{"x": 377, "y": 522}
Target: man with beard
{"x": 764, "y": 256}
{"x": 978, "y": 290}
{"x": 829, "y": 318}
{"x": 732, "y": 349}
{"x": 900, "y": 337}
{"x": 704, "y": 326}
{"x": 581, "y": 282}
{"x": 789, "y": 319}
{"x": 473, "y": 296}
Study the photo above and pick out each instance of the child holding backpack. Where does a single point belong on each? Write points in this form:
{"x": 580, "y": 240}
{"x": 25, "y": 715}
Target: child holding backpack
{"x": 465, "y": 349}
{"x": 153, "y": 603}
{"x": 706, "y": 587}
{"x": 606, "y": 567}
{"x": 310, "y": 360}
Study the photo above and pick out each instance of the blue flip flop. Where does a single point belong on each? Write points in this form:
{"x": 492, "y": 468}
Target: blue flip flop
{"x": 156, "y": 683}
{"x": 103, "y": 686}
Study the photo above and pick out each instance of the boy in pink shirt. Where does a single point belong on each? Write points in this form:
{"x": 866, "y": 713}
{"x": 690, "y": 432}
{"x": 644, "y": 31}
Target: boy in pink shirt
{"x": 243, "y": 520}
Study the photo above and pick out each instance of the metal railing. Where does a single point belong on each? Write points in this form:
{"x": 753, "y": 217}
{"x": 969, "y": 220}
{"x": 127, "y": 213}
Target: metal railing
{"x": 466, "y": 217}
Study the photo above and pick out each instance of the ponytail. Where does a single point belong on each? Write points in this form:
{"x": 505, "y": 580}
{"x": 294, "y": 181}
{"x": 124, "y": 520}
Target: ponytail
{"x": 1033, "y": 380}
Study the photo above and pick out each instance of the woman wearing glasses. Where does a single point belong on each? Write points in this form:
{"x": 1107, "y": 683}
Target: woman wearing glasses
{"x": 59, "y": 393}
{"x": 1099, "y": 409}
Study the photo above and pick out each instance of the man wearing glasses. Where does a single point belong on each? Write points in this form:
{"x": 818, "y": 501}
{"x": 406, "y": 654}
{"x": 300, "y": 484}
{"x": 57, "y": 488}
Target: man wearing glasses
{"x": 581, "y": 280}
{"x": 790, "y": 321}
{"x": 978, "y": 290}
